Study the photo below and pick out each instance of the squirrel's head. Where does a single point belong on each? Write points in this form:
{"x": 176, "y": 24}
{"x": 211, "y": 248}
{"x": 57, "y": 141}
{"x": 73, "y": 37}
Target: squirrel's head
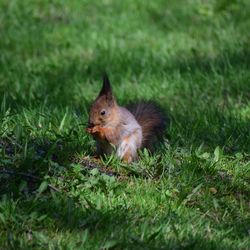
{"x": 103, "y": 108}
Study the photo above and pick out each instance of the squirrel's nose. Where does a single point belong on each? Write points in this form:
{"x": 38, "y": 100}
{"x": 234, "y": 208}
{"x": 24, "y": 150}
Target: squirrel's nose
{"x": 90, "y": 125}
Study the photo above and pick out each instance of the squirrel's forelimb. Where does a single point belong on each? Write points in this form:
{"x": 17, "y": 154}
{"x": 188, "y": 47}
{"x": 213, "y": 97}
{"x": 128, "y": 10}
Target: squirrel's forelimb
{"x": 127, "y": 146}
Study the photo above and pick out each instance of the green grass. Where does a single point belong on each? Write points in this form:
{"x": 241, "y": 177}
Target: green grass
{"x": 192, "y": 57}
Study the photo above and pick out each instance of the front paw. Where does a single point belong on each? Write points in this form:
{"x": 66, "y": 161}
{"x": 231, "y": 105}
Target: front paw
{"x": 89, "y": 130}
{"x": 97, "y": 132}
{"x": 93, "y": 130}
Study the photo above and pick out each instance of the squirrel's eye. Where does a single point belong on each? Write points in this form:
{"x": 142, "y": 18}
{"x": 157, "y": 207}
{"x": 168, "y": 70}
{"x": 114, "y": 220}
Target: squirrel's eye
{"x": 103, "y": 112}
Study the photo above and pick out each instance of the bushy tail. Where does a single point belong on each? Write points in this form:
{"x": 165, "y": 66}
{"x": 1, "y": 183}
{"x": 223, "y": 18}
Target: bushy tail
{"x": 152, "y": 121}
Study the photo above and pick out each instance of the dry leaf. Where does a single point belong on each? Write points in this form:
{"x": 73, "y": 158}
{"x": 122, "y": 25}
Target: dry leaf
{"x": 213, "y": 190}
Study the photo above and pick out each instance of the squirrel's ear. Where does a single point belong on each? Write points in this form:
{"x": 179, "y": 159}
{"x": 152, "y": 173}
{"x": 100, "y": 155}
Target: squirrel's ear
{"x": 107, "y": 90}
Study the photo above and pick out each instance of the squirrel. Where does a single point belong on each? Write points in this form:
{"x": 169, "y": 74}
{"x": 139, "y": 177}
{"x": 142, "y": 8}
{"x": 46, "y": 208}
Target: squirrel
{"x": 124, "y": 130}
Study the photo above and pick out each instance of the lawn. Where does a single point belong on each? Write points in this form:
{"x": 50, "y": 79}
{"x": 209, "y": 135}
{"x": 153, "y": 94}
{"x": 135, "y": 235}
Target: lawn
{"x": 191, "y": 57}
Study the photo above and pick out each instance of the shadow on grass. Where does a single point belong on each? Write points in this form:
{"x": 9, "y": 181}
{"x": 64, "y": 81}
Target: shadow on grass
{"x": 211, "y": 129}
{"x": 125, "y": 227}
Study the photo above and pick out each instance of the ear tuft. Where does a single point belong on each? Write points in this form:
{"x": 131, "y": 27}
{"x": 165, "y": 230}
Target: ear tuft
{"x": 107, "y": 90}
{"x": 106, "y": 87}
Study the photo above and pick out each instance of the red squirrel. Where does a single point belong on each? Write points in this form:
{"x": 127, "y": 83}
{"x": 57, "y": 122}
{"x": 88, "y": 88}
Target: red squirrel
{"x": 124, "y": 130}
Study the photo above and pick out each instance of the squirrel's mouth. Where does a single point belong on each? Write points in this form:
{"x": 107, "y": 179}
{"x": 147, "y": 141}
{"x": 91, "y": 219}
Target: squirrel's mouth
{"x": 90, "y": 125}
